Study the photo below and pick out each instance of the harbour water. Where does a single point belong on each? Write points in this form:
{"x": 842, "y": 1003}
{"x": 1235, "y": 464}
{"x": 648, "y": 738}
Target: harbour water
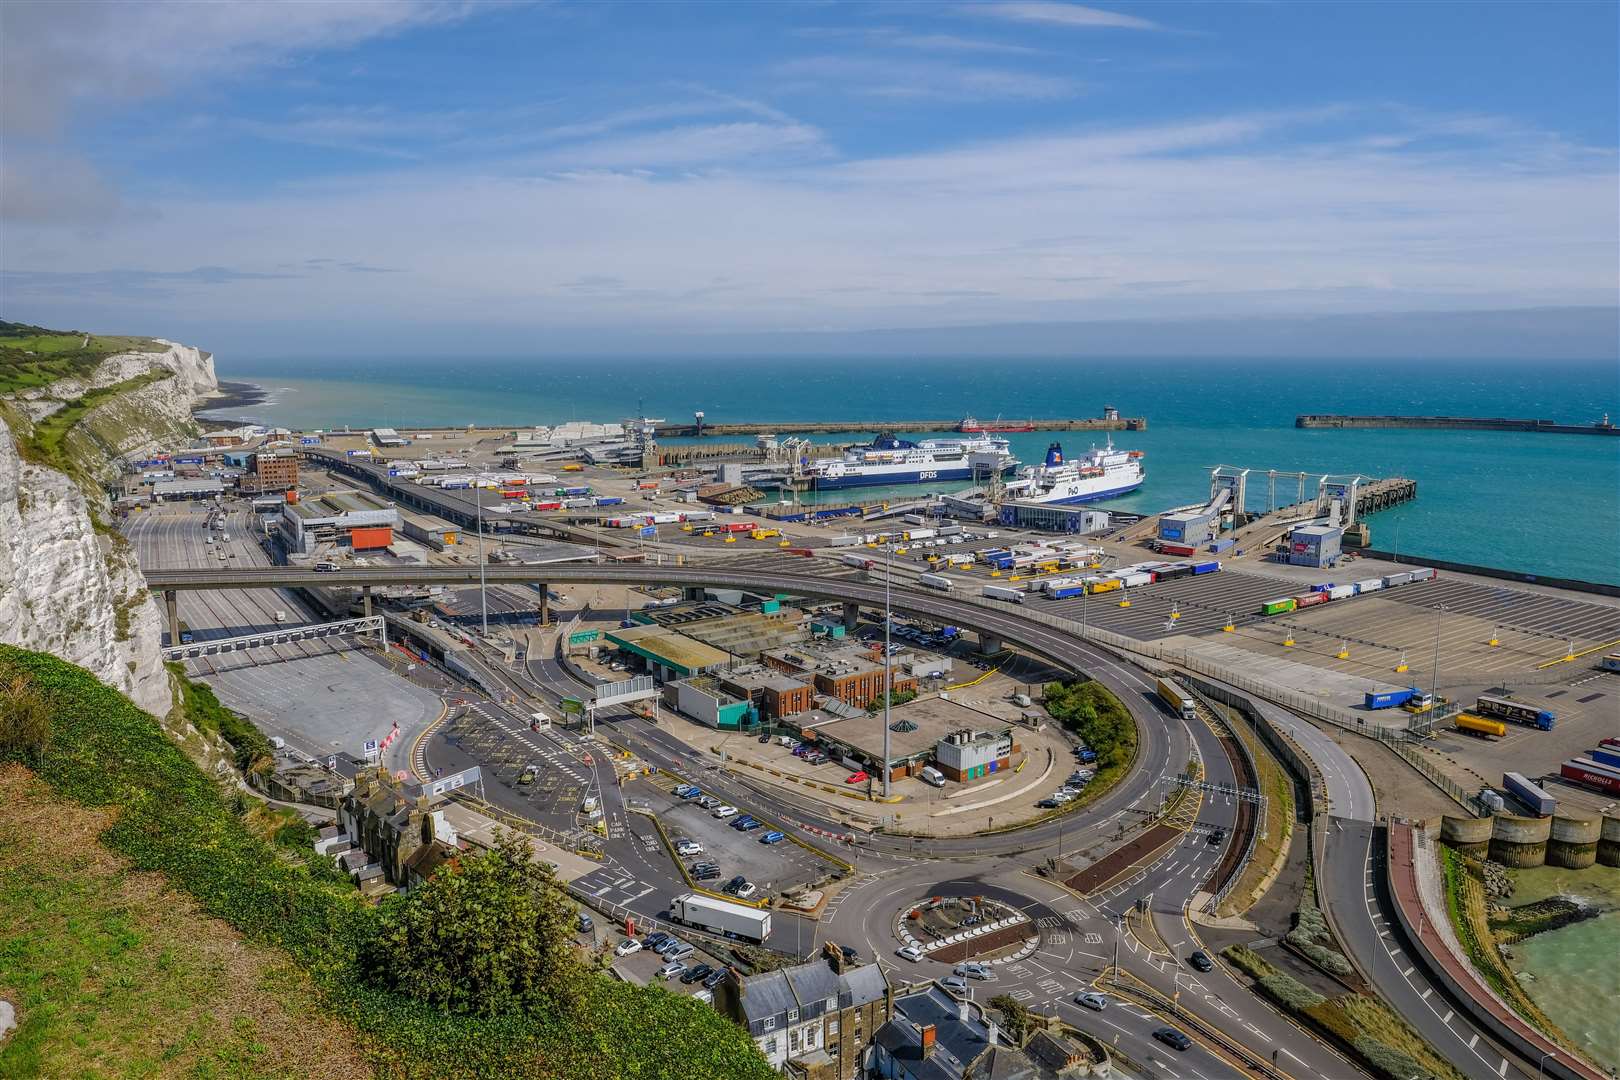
{"x": 1545, "y": 504}
{"x": 1571, "y": 972}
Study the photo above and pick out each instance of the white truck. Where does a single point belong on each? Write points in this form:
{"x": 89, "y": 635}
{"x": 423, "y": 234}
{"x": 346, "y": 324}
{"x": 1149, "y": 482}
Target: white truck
{"x": 935, "y": 581}
{"x": 1004, "y": 592}
{"x": 721, "y": 917}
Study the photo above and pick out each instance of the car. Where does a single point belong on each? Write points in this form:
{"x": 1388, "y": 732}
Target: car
{"x": 742, "y": 822}
{"x": 752, "y": 825}
{"x": 765, "y": 738}
{"x": 626, "y": 947}
{"x": 680, "y": 951}
{"x": 714, "y": 979}
{"x": 529, "y": 775}
{"x": 801, "y": 750}
{"x": 1048, "y": 804}
{"x": 954, "y": 984}
{"x": 685, "y": 848}
{"x": 706, "y": 875}
{"x": 683, "y": 790}
{"x": 655, "y": 939}
{"x": 694, "y": 974}
{"x": 1060, "y": 797}
{"x": 585, "y": 923}
{"x": 1091, "y": 1000}
{"x": 671, "y": 970}
{"x": 909, "y": 952}
{"x": 735, "y": 883}
{"x": 858, "y": 777}
{"x": 708, "y": 802}
{"x": 1172, "y": 1038}
{"x": 692, "y": 791}
{"x": 972, "y": 971}
{"x": 1217, "y": 837}
{"x": 667, "y": 946}
{"x": 746, "y": 889}
{"x": 723, "y": 812}
{"x": 1201, "y": 961}
{"x": 773, "y": 838}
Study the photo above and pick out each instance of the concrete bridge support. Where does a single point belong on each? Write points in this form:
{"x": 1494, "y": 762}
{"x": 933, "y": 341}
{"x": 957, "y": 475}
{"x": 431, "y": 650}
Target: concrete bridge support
{"x": 695, "y": 593}
{"x": 852, "y": 615}
{"x": 990, "y": 644}
{"x": 545, "y": 602}
{"x": 365, "y": 600}
{"x": 171, "y": 601}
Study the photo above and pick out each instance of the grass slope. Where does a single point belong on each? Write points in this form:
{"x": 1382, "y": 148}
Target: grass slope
{"x": 31, "y": 356}
{"x": 168, "y": 817}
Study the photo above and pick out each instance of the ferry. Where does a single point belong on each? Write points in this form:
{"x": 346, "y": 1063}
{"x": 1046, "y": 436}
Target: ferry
{"x": 1101, "y": 474}
{"x": 890, "y": 460}
{"x": 971, "y": 426}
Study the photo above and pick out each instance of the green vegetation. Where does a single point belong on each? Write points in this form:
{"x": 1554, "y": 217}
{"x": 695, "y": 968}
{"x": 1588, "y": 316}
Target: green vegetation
{"x": 1015, "y": 1016}
{"x": 25, "y": 723}
{"x": 206, "y": 714}
{"x": 1097, "y": 716}
{"x": 31, "y": 356}
{"x": 1311, "y": 935}
{"x": 167, "y": 816}
{"x": 45, "y": 442}
{"x": 896, "y": 699}
{"x": 1361, "y": 1025}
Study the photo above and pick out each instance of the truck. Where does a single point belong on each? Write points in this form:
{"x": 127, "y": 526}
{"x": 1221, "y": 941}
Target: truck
{"x": 935, "y": 581}
{"x": 1280, "y": 606}
{"x": 857, "y": 561}
{"x": 721, "y": 917}
{"x": 1516, "y": 712}
{"x": 1004, "y": 592}
{"x": 1180, "y": 702}
{"x": 1538, "y": 801}
{"x": 1066, "y": 591}
{"x": 1388, "y": 699}
{"x": 1593, "y": 774}
{"x": 1478, "y": 725}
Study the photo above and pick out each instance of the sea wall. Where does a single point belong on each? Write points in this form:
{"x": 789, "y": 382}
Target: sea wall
{"x": 69, "y": 585}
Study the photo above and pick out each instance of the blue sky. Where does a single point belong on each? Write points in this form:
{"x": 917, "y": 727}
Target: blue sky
{"x": 410, "y": 175}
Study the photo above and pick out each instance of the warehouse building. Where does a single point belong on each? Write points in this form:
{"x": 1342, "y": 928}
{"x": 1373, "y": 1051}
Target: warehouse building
{"x": 705, "y": 699}
{"x": 360, "y": 520}
{"x": 845, "y": 672}
{"x": 1314, "y": 545}
{"x": 435, "y": 532}
{"x": 1052, "y": 517}
{"x": 386, "y": 436}
{"x": 1193, "y": 529}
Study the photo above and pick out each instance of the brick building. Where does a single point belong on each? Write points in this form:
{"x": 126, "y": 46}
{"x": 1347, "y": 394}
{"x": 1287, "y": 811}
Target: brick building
{"x": 814, "y": 1020}
{"x": 276, "y": 470}
{"x": 396, "y": 828}
{"x": 845, "y": 672}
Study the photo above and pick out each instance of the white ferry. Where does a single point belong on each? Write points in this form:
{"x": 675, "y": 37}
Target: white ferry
{"x": 1101, "y": 474}
{"x": 890, "y": 460}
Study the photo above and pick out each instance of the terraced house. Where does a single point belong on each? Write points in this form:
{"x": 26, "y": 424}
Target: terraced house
{"x": 815, "y": 1020}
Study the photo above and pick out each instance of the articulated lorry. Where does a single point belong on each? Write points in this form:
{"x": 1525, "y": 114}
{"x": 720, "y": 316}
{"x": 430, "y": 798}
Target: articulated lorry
{"x": 721, "y": 917}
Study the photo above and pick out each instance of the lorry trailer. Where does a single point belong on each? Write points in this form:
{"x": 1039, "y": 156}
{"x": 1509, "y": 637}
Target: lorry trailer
{"x": 1516, "y": 712}
{"x": 721, "y": 917}
{"x": 1388, "y": 699}
{"x": 1592, "y": 774}
{"x": 1603, "y": 755}
{"x": 1538, "y": 801}
{"x": 1004, "y": 592}
{"x": 1180, "y": 702}
{"x": 935, "y": 581}
{"x": 1479, "y": 725}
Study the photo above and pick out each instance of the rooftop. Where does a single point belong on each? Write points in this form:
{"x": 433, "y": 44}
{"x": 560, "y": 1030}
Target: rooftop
{"x": 676, "y": 649}
{"x": 934, "y": 717}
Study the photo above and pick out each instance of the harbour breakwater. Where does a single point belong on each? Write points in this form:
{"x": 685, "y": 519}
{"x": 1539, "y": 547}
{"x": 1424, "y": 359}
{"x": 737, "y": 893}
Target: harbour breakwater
{"x": 828, "y": 427}
{"x": 1454, "y": 423}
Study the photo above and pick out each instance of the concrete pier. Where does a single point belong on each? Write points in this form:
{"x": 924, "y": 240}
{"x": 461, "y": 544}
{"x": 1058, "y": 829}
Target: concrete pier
{"x": 1520, "y": 841}
{"x": 1471, "y": 836}
{"x": 1608, "y": 847}
{"x": 827, "y": 427}
{"x": 1573, "y": 842}
{"x": 1454, "y": 423}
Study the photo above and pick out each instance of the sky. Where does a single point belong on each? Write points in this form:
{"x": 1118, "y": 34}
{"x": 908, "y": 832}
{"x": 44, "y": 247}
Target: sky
{"x": 497, "y": 178}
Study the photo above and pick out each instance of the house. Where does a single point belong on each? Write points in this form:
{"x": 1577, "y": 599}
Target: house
{"x": 935, "y": 1037}
{"x": 392, "y": 825}
{"x": 813, "y": 1020}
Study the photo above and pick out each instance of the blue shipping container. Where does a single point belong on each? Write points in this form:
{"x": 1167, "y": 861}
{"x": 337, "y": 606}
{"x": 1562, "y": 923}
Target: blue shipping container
{"x": 1068, "y": 591}
{"x": 1206, "y": 567}
{"x": 609, "y": 500}
{"x": 1606, "y": 757}
{"x": 576, "y": 491}
{"x": 1388, "y": 699}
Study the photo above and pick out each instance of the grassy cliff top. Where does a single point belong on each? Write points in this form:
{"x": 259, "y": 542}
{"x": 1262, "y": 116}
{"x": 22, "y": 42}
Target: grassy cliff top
{"x": 31, "y": 356}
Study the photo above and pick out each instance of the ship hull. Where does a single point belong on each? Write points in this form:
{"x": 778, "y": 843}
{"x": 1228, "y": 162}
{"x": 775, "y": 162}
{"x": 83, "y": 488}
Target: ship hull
{"x": 1088, "y": 496}
{"x": 903, "y": 476}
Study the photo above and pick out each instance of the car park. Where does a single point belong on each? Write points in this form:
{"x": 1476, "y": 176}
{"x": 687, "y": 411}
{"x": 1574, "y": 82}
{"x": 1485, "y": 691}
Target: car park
{"x": 626, "y": 947}
{"x": 1091, "y": 1000}
{"x": 1201, "y": 961}
{"x": 909, "y": 952}
{"x": 1172, "y": 1038}
{"x": 773, "y": 838}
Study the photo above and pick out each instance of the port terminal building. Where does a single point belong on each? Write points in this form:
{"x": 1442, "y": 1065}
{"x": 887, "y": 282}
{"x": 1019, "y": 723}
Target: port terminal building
{"x": 355, "y": 518}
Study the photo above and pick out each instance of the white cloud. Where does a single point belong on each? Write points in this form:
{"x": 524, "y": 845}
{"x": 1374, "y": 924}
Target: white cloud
{"x": 870, "y": 76}
{"x": 1058, "y": 14}
{"x": 689, "y": 147}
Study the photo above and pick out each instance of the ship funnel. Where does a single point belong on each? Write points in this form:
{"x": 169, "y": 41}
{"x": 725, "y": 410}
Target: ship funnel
{"x": 1054, "y": 455}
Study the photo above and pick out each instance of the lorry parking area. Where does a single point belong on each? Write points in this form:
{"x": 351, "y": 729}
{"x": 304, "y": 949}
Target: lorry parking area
{"x": 773, "y": 868}
{"x": 509, "y": 753}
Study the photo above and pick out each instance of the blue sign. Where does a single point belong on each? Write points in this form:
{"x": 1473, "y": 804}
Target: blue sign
{"x": 648, "y": 532}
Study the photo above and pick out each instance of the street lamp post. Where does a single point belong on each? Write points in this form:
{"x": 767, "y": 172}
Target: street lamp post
{"x": 888, "y": 692}
{"x": 1434, "y": 679}
{"x": 1540, "y": 1065}
{"x": 483, "y": 591}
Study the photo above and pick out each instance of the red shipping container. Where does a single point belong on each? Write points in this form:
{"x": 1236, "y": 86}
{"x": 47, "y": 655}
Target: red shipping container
{"x": 368, "y": 539}
{"x": 1310, "y": 598}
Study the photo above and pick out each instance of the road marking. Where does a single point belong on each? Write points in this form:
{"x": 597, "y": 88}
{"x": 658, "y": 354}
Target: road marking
{"x": 1474, "y": 1040}
{"x": 1446, "y": 1019}
{"x": 1427, "y": 992}
{"x": 1502, "y": 1069}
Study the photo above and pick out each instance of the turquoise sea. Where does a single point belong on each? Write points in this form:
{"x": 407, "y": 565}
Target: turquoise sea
{"x": 1546, "y": 504}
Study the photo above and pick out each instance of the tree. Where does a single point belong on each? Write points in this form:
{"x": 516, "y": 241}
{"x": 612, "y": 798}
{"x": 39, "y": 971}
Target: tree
{"x": 25, "y": 720}
{"x": 488, "y": 934}
{"x": 1014, "y": 1016}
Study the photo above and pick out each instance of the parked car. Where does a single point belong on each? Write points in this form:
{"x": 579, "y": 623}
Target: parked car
{"x": 972, "y": 971}
{"x": 857, "y": 777}
{"x": 1092, "y": 1000}
{"x": 909, "y": 952}
{"x": 680, "y": 951}
{"x": 752, "y": 825}
{"x": 586, "y": 923}
{"x": 743, "y": 822}
{"x": 765, "y": 738}
{"x": 692, "y": 791}
{"x": 723, "y": 812}
{"x": 1172, "y": 1038}
{"x": 954, "y": 984}
{"x": 708, "y": 802}
{"x": 627, "y": 946}
{"x": 746, "y": 889}
{"x": 699, "y": 972}
{"x": 714, "y": 979}
{"x": 1201, "y": 961}
{"x": 773, "y": 838}
{"x": 1048, "y": 804}
{"x": 735, "y": 883}
{"x": 671, "y": 970}
{"x": 655, "y": 939}
{"x": 686, "y": 848}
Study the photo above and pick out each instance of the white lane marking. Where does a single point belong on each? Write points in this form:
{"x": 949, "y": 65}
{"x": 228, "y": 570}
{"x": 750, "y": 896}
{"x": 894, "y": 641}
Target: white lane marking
{"x": 1446, "y": 1019}
{"x": 1474, "y": 1040}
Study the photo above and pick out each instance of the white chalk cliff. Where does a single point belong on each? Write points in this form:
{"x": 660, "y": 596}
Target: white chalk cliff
{"x": 68, "y": 586}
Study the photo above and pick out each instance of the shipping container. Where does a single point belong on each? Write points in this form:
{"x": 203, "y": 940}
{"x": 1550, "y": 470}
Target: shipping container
{"x": 1538, "y": 801}
{"x": 1180, "y": 702}
{"x": 1178, "y": 549}
{"x": 609, "y": 500}
{"x": 512, "y": 494}
{"x": 1370, "y": 585}
{"x": 548, "y": 504}
{"x": 1339, "y": 592}
{"x": 1585, "y": 771}
{"x": 1517, "y": 712}
{"x": 698, "y": 515}
{"x": 920, "y": 534}
{"x": 1311, "y": 599}
{"x": 858, "y": 561}
{"x": 1391, "y": 580}
{"x": 1131, "y": 581}
{"x": 1206, "y": 567}
{"x": 1066, "y": 591}
{"x": 1102, "y": 586}
{"x": 1004, "y": 592}
{"x": 1387, "y": 699}
{"x": 1424, "y": 573}
{"x": 1277, "y": 607}
{"x": 577, "y": 504}
{"x": 1477, "y": 725}
{"x": 936, "y": 581}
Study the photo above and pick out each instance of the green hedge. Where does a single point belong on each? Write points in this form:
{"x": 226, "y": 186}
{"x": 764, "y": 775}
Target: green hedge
{"x": 106, "y": 752}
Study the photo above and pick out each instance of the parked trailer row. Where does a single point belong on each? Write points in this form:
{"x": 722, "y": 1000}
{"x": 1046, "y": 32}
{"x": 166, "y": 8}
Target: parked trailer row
{"x": 1328, "y": 591}
{"x": 1592, "y": 774}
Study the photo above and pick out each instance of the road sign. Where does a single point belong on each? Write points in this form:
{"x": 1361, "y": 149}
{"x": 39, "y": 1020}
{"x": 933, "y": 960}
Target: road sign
{"x": 583, "y": 637}
{"x": 648, "y": 532}
{"x": 371, "y": 752}
{"x": 572, "y": 705}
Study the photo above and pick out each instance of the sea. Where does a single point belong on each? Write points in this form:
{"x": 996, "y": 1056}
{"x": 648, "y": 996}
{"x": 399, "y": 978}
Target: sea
{"x": 1538, "y": 503}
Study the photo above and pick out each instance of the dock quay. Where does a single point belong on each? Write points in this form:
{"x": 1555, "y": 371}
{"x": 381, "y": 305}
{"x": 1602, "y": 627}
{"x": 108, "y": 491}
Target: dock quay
{"x": 826, "y": 427}
{"x": 1455, "y": 423}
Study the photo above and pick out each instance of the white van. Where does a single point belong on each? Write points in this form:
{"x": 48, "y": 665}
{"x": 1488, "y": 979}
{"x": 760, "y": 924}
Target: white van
{"x": 931, "y": 775}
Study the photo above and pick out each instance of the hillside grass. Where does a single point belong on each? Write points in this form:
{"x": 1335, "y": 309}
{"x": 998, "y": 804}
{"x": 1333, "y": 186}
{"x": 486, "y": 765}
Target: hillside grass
{"x": 32, "y": 357}
{"x": 165, "y": 815}
{"x": 45, "y": 442}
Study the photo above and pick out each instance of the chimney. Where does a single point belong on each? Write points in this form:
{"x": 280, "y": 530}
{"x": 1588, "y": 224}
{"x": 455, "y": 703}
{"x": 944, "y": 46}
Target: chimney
{"x": 927, "y": 1035}
{"x": 995, "y": 1033}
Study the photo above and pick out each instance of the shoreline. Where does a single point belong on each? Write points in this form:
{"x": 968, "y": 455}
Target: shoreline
{"x": 233, "y": 395}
